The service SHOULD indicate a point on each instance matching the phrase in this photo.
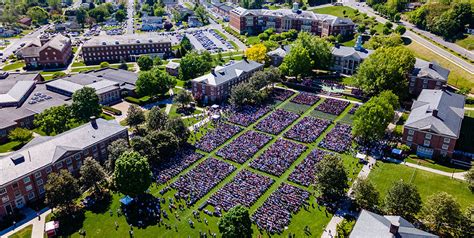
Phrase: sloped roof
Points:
(228, 72)
(373, 225)
(438, 111)
(345, 51)
(47, 151)
(280, 51)
(430, 70)
(57, 42)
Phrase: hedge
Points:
(469, 100)
(112, 110)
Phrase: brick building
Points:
(346, 59)
(98, 50)
(217, 85)
(427, 75)
(24, 172)
(254, 21)
(434, 123)
(45, 52)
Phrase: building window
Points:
(444, 153)
(411, 132)
(68, 161)
(49, 170)
(39, 182)
(29, 187)
(59, 165)
(37, 174)
(26, 180)
(31, 195)
(77, 156)
(409, 138)
(428, 136)
(41, 189)
(445, 147)
(3, 191)
(426, 143)
(446, 140)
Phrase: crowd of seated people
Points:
(277, 121)
(305, 98)
(278, 157)
(308, 129)
(332, 106)
(247, 114)
(353, 109)
(244, 189)
(173, 166)
(281, 94)
(217, 136)
(339, 139)
(193, 185)
(244, 147)
(275, 213)
(304, 173)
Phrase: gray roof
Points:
(345, 51)
(437, 111)
(430, 70)
(58, 42)
(125, 40)
(46, 151)
(225, 73)
(123, 77)
(17, 92)
(280, 51)
(373, 225)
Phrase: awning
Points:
(126, 200)
(51, 226)
(397, 151)
(361, 156)
(215, 117)
(215, 106)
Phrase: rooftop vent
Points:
(150, 40)
(18, 159)
(138, 41)
(116, 42)
(104, 43)
(3, 74)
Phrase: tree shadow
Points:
(70, 222)
(143, 211)
(406, 40)
(101, 203)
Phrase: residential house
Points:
(25, 172)
(25, 21)
(427, 75)
(254, 21)
(172, 68)
(370, 224)
(193, 21)
(55, 52)
(151, 23)
(216, 86)
(276, 56)
(434, 123)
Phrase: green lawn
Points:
(252, 40)
(384, 174)
(23, 233)
(450, 168)
(335, 11)
(14, 66)
(467, 43)
(101, 224)
(78, 64)
(348, 12)
(9, 146)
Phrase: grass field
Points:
(14, 66)
(9, 146)
(458, 76)
(467, 43)
(101, 224)
(450, 168)
(384, 174)
(348, 12)
(23, 233)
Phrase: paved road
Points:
(15, 43)
(436, 49)
(459, 175)
(130, 13)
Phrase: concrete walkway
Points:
(38, 225)
(331, 228)
(459, 175)
(321, 95)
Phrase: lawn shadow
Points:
(102, 203)
(143, 211)
(70, 223)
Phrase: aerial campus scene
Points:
(236, 118)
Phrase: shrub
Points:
(112, 110)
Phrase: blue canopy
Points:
(126, 200)
(396, 151)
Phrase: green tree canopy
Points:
(319, 49)
(38, 14)
(179, 129)
(91, 173)
(54, 120)
(142, 145)
(85, 104)
(194, 64)
(236, 223)
(145, 62)
(243, 94)
(442, 213)
(297, 62)
(132, 175)
(183, 98)
(165, 144)
(156, 119)
(61, 190)
(331, 177)
(154, 82)
(386, 69)
(365, 194)
(135, 116)
(469, 176)
(402, 199)
(20, 134)
(115, 150)
(120, 15)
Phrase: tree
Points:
(61, 190)
(159, 11)
(442, 213)
(85, 104)
(257, 52)
(400, 29)
(193, 65)
(365, 194)
(120, 15)
(183, 98)
(391, 40)
(123, 64)
(54, 4)
(157, 61)
(156, 119)
(54, 119)
(297, 62)
(104, 65)
(201, 14)
(92, 174)
(99, 13)
(115, 150)
(154, 82)
(372, 118)
(141, 145)
(319, 50)
(20, 134)
(331, 177)
(145, 62)
(132, 175)
(236, 223)
(261, 79)
(179, 129)
(38, 14)
(469, 176)
(386, 69)
(344, 228)
(242, 94)
(135, 116)
(402, 199)
(165, 144)
(81, 15)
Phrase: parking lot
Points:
(208, 40)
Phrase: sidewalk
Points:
(38, 225)
(459, 175)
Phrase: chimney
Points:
(93, 122)
(394, 227)
(213, 72)
(435, 112)
(245, 58)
